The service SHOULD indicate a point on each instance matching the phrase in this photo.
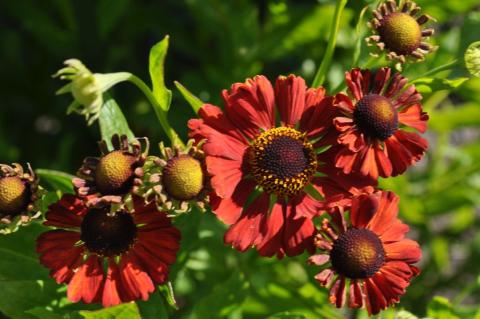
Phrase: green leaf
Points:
(123, 311)
(58, 180)
(112, 121)
(428, 85)
(18, 295)
(403, 314)
(167, 292)
(449, 118)
(225, 298)
(441, 308)
(472, 58)
(287, 315)
(154, 307)
(42, 313)
(194, 101)
(156, 68)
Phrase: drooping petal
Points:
(250, 105)
(406, 250)
(246, 231)
(413, 116)
(290, 93)
(86, 283)
(358, 82)
(363, 209)
(229, 209)
(225, 175)
(403, 149)
(67, 212)
(135, 278)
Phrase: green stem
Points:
(323, 69)
(161, 114)
(444, 67)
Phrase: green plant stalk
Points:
(327, 59)
(161, 114)
(444, 67)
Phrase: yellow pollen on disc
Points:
(114, 172)
(183, 177)
(401, 33)
(282, 161)
(13, 195)
(384, 110)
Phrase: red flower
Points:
(368, 249)
(266, 176)
(136, 249)
(372, 126)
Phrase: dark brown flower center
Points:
(183, 177)
(114, 173)
(375, 116)
(282, 161)
(357, 253)
(108, 234)
(14, 195)
(400, 32)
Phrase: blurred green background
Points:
(214, 43)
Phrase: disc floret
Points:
(115, 173)
(282, 161)
(177, 179)
(19, 191)
(398, 30)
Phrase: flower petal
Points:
(290, 92)
(86, 283)
(250, 105)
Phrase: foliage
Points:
(213, 44)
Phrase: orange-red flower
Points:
(372, 127)
(365, 257)
(262, 155)
(107, 257)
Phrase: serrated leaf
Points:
(156, 67)
(112, 121)
(472, 58)
(123, 311)
(194, 101)
(58, 180)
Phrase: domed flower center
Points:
(375, 116)
(183, 177)
(357, 253)
(14, 195)
(114, 173)
(108, 235)
(401, 33)
(282, 161)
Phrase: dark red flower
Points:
(366, 255)
(266, 175)
(372, 127)
(107, 257)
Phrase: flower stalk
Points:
(327, 59)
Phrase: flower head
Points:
(176, 180)
(266, 176)
(114, 173)
(107, 256)
(398, 30)
(366, 254)
(19, 190)
(372, 137)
